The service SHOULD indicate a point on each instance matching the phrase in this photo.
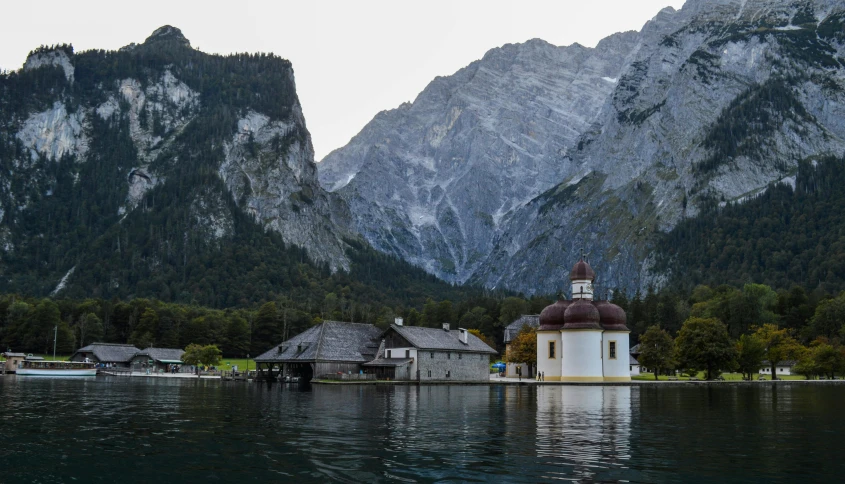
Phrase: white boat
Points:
(56, 368)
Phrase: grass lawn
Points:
(227, 364)
(727, 376)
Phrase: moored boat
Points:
(56, 368)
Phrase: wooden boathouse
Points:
(326, 350)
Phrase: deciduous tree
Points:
(779, 344)
(656, 350)
(750, 352)
(704, 343)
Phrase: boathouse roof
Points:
(164, 355)
(109, 352)
(327, 341)
(513, 329)
(441, 339)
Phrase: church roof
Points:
(582, 314)
(582, 271)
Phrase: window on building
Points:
(552, 352)
(388, 353)
(448, 373)
(448, 356)
(432, 354)
(429, 373)
(460, 356)
(407, 353)
(630, 368)
(611, 350)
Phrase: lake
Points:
(164, 430)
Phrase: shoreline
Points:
(594, 384)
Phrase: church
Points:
(582, 340)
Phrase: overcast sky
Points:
(352, 59)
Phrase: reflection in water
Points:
(584, 431)
(162, 430)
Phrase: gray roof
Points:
(513, 329)
(439, 339)
(328, 341)
(389, 362)
(635, 349)
(766, 363)
(632, 360)
(159, 354)
(109, 352)
(9, 354)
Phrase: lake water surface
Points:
(163, 430)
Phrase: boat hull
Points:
(57, 372)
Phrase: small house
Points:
(634, 365)
(157, 360)
(511, 332)
(12, 360)
(783, 368)
(112, 354)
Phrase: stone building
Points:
(582, 339)
(407, 353)
(511, 331)
(431, 354)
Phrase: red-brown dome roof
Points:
(612, 316)
(582, 271)
(552, 317)
(581, 314)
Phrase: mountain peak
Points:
(167, 33)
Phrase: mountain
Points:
(134, 172)
(516, 162)
(436, 181)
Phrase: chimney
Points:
(463, 336)
(398, 321)
(445, 326)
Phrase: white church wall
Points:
(581, 355)
(550, 367)
(617, 368)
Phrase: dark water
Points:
(159, 430)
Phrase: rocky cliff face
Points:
(436, 181)
(706, 104)
(93, 144)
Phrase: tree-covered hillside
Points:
(782, 237)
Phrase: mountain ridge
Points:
(714, 102)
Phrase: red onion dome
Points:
(612, 316)
(581, 314)
(551, 318)
(582, 271)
